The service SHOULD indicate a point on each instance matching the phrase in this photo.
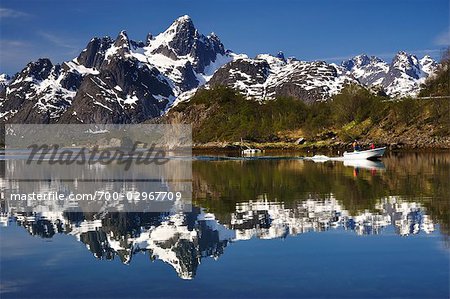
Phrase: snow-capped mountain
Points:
(368, 70)
(266, 77)
(40, 92)
(402, 77)
(115, 81)
(125, 81)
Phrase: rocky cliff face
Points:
(40, 93)
(114, 81)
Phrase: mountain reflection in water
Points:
(183, 239)
(236, 201)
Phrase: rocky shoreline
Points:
(426, 144)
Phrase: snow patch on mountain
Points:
(80, 69)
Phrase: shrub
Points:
(354, 103)
(407, 110)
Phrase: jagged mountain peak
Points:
(280, 55)
(216, 43)
(122, 40)
(405, 60)
(362, 59)
(402, 76)
(212, 35)
(403, 53)
(183, 42)
(92, 56)
(183, 19)
(38, 70)
(406, 63)
(359, 61)
(264, 57)
(274, 61)
(405, 75)
(121, 45)
(428, 65)
(427, 58)
(181, 28)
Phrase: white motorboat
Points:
(250, 151)
(371, 154)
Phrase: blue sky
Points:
(311, 29)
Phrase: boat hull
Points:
(372, 154)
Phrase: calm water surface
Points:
(258, 229)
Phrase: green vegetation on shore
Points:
(233, 117)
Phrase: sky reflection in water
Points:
(257, 229)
